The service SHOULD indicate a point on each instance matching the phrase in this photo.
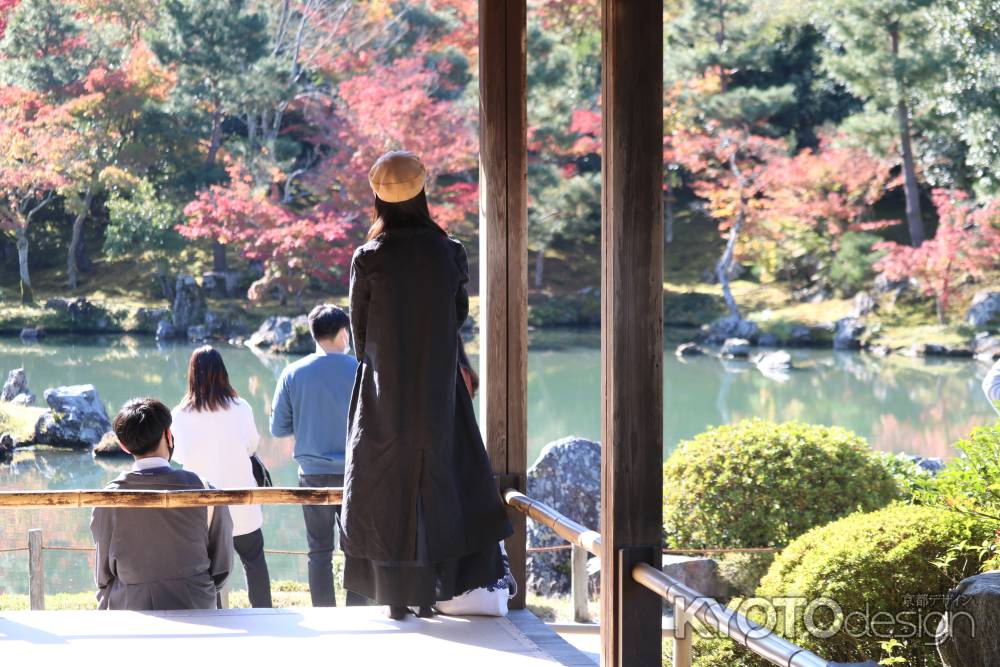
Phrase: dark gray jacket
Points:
(159, 559)
(418, 478)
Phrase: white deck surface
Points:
(284, 638)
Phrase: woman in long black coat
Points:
(422, 517)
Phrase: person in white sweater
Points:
(215, 435)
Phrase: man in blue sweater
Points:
(311, 402)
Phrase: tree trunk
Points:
(74, 244)
(539, 267)
(219, 262)
(215, 140)
(725, 265)
(27, 295)
(914, 220)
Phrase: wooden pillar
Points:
(36, 570)
(631, 327)
(503, 250)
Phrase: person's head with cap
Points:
(397, 180)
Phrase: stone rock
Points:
(7, 446)
(800, 336)
(147, 320)
(931, 464)
(969, 633)
(189, 304)
(17, 383)
(197, 333)
(880, 350)
(986, 347)
(863, 304)
(689, 350)
(567, 478)
(30, 333)
(165, 330)
(220, 285)
(284, 335)
(700, 574)
(847, 333)
(779, 361)
(984, 313)
(26, 400)
(75, 418)
(732, 327)
(768, 340)
(109, 446)
(82, 315)
(735, 348)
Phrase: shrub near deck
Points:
(760, 484)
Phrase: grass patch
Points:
(19, 420)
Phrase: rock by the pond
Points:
(936, 350)
(109, 446)
(768, 340)
(26, 400)
(863, 304)
(688, 350)
(986, 347)
(847, 333)
(82, 315)
(76, 417)
(189, 304)
(698, 573)
(147, 320)
(799, 336)
(777, 361)
(984, 313)
(735, 348)
(969, 633)
(284, 334)
(931, 464)
(219, 284)
(165, 330)
(16, 384)
(7, 446)
(197, 333)
(567, 478)
(31, 333)
(732, 327)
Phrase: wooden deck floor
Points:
(282, 637)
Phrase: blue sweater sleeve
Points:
(281, 410)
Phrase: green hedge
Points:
(758, 484)
(901, 559)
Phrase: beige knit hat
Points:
(397, 176)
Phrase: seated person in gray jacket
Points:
(150, 558)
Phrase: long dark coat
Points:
(418, 486)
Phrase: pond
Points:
(900, 404)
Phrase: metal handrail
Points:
(688, 604)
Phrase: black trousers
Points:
(320, 521)
(250, 548)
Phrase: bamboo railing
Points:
(273, 495)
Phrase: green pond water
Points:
(899, 404)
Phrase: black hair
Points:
(326, 321)
(410, 213)
(140, 424)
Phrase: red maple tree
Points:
(966, 245)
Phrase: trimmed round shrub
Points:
(762, 484)
(893, 566)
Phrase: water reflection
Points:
(899, 404)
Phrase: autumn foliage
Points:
(966, 244)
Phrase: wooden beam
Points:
(631, 327)
(503, 254)
(276, 495)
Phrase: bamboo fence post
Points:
(579, 584)
(36, 572)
